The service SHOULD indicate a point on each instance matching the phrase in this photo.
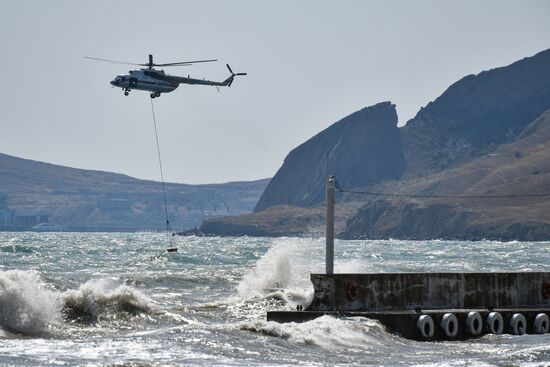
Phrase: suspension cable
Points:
(373, 193)
(168, 227)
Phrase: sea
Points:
(119, 299)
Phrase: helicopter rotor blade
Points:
(184, 63)
(241, 74)
(229, 67)
(111, 61)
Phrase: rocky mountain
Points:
(519, 168)
(477, 114)
(365, 147)
(479, 137)
(471, 118)
(277, 221)
(79, 199)
(272, 222)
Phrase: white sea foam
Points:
(281, 273)
(352, 266)
(99, 294)
(27, 306)
(327, 332)
(231, 329)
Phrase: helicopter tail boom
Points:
(226, 83)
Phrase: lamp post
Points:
(329, 233)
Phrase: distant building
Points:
(26, 220)
(3, 201)
(6, 215)
(19, 220)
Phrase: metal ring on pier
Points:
(474, 323)
(518, 324)
(352, 291)
(541, 324)
(495, 323)
(449, 324)
(425, 325)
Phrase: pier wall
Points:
(411, 291)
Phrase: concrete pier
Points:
(513, 303)
(428, 306)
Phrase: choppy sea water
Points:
(119, 299)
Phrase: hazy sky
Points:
(310, 63)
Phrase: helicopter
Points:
(157, 81)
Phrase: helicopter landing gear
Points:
(126, 91)
(155, 94)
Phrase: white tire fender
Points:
(474, 323)
(449, 324)
(495, 323)
(518, 324)
(541, 324)
(425, 325)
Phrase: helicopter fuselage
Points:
(144, 79)
(156, 81)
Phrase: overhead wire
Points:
(374, 193)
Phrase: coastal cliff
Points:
(487, 134)
(365, 147)
(519, 168)
(477, 114)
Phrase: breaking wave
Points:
(281, 274)
(100, 296)
(28, 306)
(327, 332)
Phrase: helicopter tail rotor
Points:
(233, 75)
